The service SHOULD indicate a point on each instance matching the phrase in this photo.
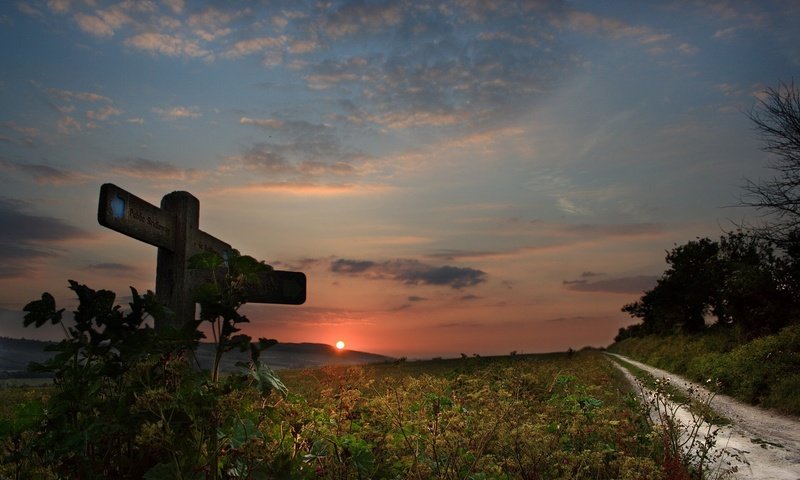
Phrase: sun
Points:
(340, 345)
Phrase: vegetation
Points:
(729, 310)
(550, 416)
(741, 282)
(129, 401)
(763, 371)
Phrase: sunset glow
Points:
(340, 345)
(452, 177)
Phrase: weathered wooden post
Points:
(172, 282)
(174, 229)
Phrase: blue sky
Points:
(455, 176)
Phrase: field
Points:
(565, 415)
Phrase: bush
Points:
(761, 372)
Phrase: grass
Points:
(676, 394)
(764, 371)
(569, 415)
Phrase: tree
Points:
(685, 293)
(777, 119)
(739, 280)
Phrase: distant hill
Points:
(16, 354)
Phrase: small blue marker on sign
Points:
(118, 207)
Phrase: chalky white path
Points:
(776, 455)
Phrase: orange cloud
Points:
(304, 188)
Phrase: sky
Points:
(457, 176)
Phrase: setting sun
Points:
(340, 345)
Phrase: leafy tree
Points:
(741, 280)
(777, 119)
(685, 293)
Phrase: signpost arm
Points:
(172, 280)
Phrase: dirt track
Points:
(770, 442)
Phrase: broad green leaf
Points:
(267, 380)
(42, 311)
(205, 261)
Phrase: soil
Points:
(768, 441)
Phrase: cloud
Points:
(301, 150)
(463, 324)
(103, 23)
(152, 169)
(262, 157)
(269, 316)
(27, 9)
(169, 45)
(212, 23)
(351, 266)
(67, 125)
(725, 33)
(636, 284)
(443, 73)
(308, 189)
(591, 274)
(70, 96)
(59, 6)
(69, 103)
(303, 46)
(254, 45)
(114, 268)
(262, 122)
(25, 237)
(410, 272)
(688, 49)
(175, 5)
(355, 17)
(45, 174)
(103, 113)
(25, 136)
(177, 113)
(453, 254)
(587, 22)
(612, 230)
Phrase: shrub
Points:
(762, 371)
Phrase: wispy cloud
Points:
(355, 17)
(45, 174)
(589, 230)
(588, 22)
(410, 272)
(626, 285)
(113, 268)
(94, 107)
(169, 45)
(21, 135)
(307, 189)
(58, 6)
(25, 237)
(177, 112)
(254, 45)
(306, 150)
(138, 167)
(102, 24)
(262, 122)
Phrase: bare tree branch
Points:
(777, 119)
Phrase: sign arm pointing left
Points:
(174, 229)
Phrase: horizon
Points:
(452, 177)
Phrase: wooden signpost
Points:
(174, 229)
